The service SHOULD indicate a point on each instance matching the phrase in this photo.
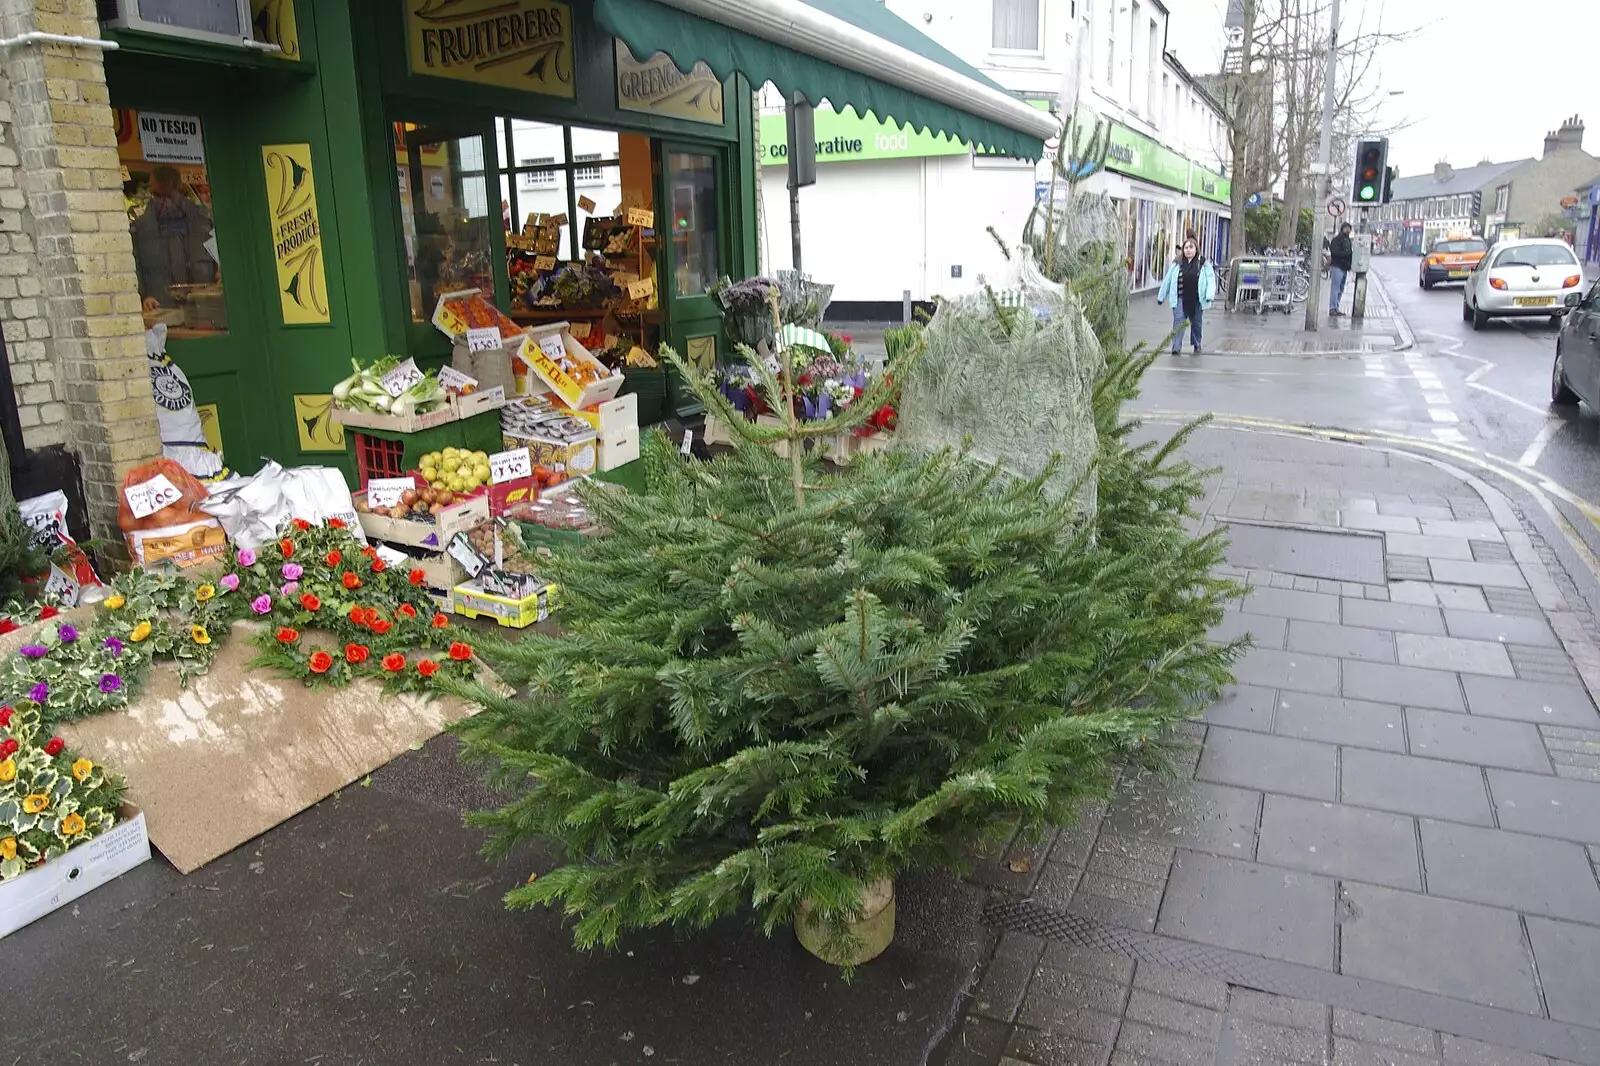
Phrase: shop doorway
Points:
(696, 254)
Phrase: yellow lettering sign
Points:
(296, 234)
(657, 87)
(313, 419)
(274, 23)
(514, 44)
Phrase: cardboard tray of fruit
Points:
(427, 520)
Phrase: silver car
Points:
(1524, 277)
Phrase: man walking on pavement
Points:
(1340, 253)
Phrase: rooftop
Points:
(1465, 180)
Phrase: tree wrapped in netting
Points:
(779, 681)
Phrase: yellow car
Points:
(1451, 259)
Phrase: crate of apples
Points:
(455, 470)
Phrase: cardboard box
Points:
(612, 416)
(474, 601)
(461, 515)
(618, 449)
(458, 408)
(568, 458)
(443, 573)
(456, 312)
(86, 867)
(875, 442)
(509, 494)
(573, 393)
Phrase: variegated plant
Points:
(51, 798)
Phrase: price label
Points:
(579, 330)
(544, 262)
(613, 341)
(392, 556)
(510, 465)
(402, 377)
(386, 491)
(462, 551)
(535, 219)
(486, 339)
(623, 278)
(148, 497)
(553, 347)
(493, 396)
(688, 441)
(642, 289)
(638, 216)
(585, 204)
(557, 220)
(451, 378)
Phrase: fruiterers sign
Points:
(514, 44)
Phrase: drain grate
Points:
(1428, 1010)
(1306, 553)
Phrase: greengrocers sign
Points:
(844, 136)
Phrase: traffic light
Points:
(1389, 174)
(1372, 158)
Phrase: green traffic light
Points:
(1368, 192)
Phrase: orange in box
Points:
(582, 381)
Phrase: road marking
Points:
(1443, 414)
(1450, 436)
(1542, 412)
(1536, 448)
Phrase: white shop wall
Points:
(876, 229)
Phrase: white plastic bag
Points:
(46, 515)
(183, 437)
(253, 510)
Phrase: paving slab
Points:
(1504, 628)
(1343, 642)
(1265, 910)
(1468, 738)
(1487, 575)
(1407, 685)
(1264, 630)
(1455, 528)
(1297, 670)
(1379, 523)
(1309, 553)
(1381, 1031)
(1434, 547)
(1464, 950)
(1540, 702)
(1569, 968)
(1403, 617)
(1243, 707)
(1269, 763)
(1292, 603)
(1410, 785)
(1432, 594)
(1549, 806)
(1534, 875)
(1340, 721)
(1453, 653)
(1192, 814)
(1340, 841)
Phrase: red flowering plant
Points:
(51, 798)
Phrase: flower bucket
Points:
(873, 931)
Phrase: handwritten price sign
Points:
(486, 339)
(585, 204)
(148, 497)
(638, 216)
(451, 378)
(544, 263)
(386, 491)
(642, 289)
(510, 465)
(554, 348)
(402, 377)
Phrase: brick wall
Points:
(69, 298)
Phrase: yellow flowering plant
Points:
(53, 799)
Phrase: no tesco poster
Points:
(165, 138)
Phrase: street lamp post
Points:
(1325, 167)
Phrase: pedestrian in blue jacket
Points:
(1191, 285)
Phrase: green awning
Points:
(648, 27)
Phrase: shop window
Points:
(168, 197)
(1016, 25)
(692, 184)
(445, 217)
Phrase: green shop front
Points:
(300, 199)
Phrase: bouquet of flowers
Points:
(801, 301)
(51, 799)
(746, 308)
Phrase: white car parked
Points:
(1527, 277)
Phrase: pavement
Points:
(1382, 847)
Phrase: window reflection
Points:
(692, 184)
(445, 215)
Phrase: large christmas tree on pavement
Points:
(779, 681)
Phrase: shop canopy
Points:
(854, 53)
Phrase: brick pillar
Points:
(80, 252)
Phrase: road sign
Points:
(1253, 200)
(1336, 206)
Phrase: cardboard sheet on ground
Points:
(240, 750)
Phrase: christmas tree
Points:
(779, 681)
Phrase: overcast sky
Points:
(1543, 48)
